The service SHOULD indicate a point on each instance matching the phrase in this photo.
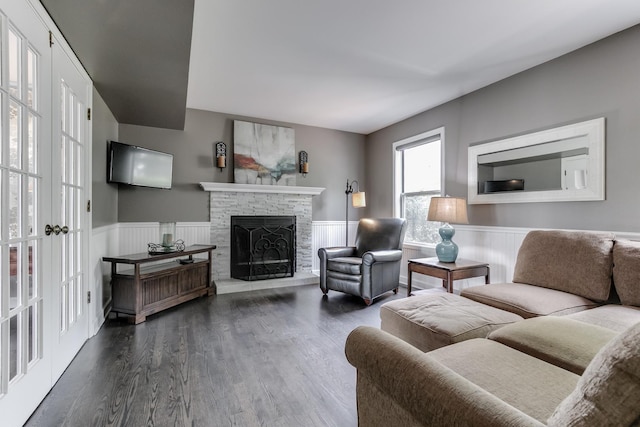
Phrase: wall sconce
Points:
(358, 201)
(303, 160)
(221, 155)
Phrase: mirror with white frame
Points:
(554, 165)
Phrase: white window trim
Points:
(397, 167)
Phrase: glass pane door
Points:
(44, 94)
(71, 130)
(25, 178)
(19, 241)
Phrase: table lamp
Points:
(447, 210)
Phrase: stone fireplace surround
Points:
(227, 199)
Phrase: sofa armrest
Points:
(395, 376)
(391, 255)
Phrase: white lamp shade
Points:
(359, 200)
(448, 209)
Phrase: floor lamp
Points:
(358, 201)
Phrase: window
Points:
(418, 177)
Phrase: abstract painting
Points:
(263, 154)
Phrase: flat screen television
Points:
(132, 165)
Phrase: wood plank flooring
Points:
(263, 358)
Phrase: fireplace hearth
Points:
(263, 247)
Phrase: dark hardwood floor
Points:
(262, 358)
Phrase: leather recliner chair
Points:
(372, 266)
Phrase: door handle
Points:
(55, 229)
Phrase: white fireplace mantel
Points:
(253, 188)
(229, 199)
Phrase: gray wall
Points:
(105, 196)
(599, 80)
(334, 156)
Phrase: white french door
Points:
(43, 182)
(25, 170)
(71, 96)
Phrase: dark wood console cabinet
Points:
(145, 290)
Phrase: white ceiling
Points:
(361, 65)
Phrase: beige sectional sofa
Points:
(559, 346)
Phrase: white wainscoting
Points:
(498, 246)
(104, 242)
(495, 245)
(326, 234)
(420, 281)
(134, 236)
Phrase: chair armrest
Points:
(325, 254)
(397, 373)
(381, 256)
(336, 252)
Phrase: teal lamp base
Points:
(447, 250)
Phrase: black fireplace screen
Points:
(263, 247)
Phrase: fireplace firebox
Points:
(263, 247)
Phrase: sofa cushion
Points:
(567, 343)
(531, 385)
(434, 320)
(575, 262)
(346, 265)
(612, 316)
(527, 300)
(626, 271)
(607, 393)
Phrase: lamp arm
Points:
(349, 189)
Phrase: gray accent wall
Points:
(334, 156)
(104, 196)
(599, 80)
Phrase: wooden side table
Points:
(142, 291)
(447, 271)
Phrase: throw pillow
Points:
(626, 271)
(607, 393)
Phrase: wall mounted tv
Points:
(128, 164)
